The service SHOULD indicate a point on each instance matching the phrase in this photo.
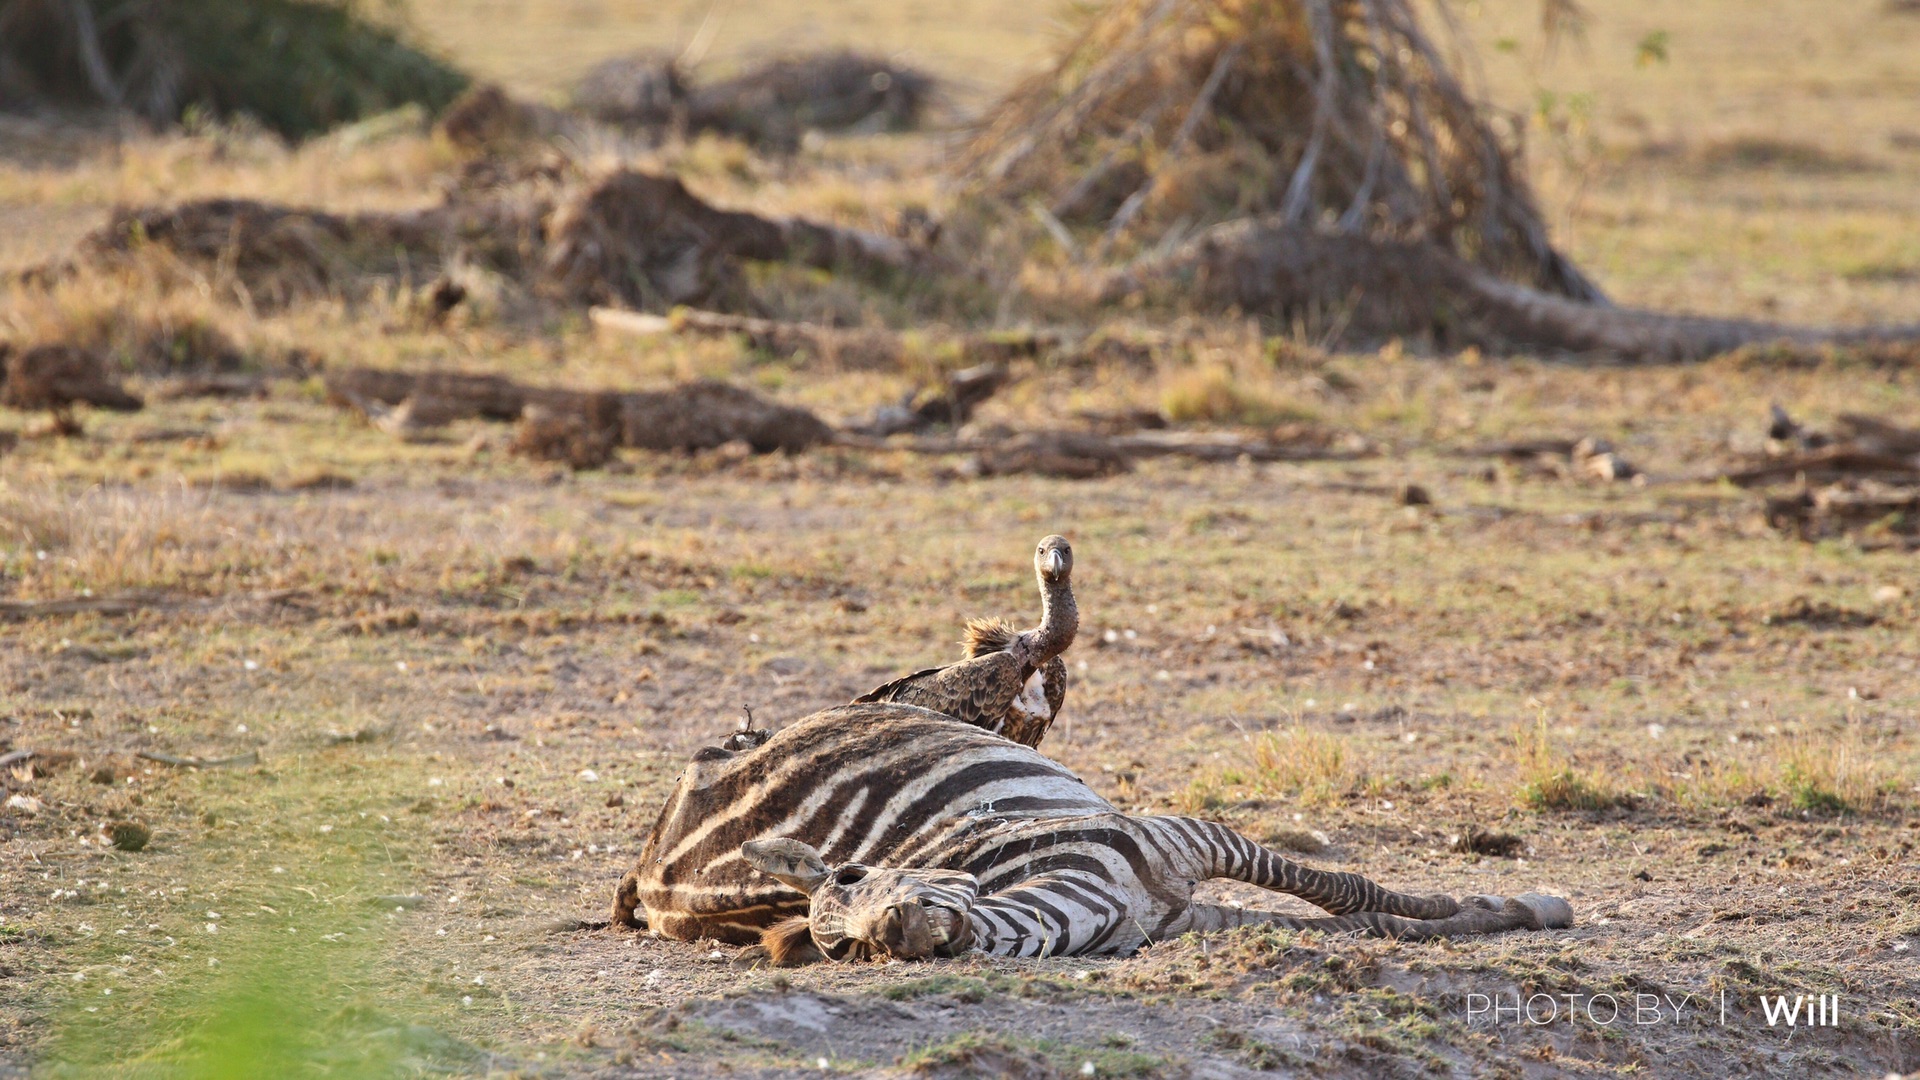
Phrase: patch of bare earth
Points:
(467, 695)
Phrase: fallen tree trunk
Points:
(858, 348)
(699, 415)
(1875, 513)
(1351, 288)
(1081, 455)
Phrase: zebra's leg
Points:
(1480, 915)
(1227, 854)
(627, 910)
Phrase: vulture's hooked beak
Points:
(1056, 564)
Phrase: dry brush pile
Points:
(1163, 117)
(1317, 163)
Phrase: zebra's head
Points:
(859, 912)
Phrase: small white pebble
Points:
(716, 955)
(1110, 637)
(822, 1063)
(467, 1000)
(326, 828)
(1163, 675)
(279, 869)
(399, 665)
(1087, 1069)
(1902, 946)
(442, 932)
(1129, 634)
(434, 781)
(251, 665)
(211, 962)
(589, 775)
(755, 638)
(1654, 731)
(480, 980)
(489, 937)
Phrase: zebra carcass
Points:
(889, 830)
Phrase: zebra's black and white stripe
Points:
(1059, 870)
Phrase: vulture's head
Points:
(1054, 559)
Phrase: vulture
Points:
(58, 377)
(1011, 681)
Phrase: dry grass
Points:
(55, 541)
(459, 617)
(1549, 781)
(1214, 395)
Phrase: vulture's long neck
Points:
(1059, 621)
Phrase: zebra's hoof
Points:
(1549, 912)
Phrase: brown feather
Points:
(988, 636)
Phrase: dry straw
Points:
(1166, 116)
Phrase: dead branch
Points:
(84, 605)
(853, 349)
(859, 348)
(248, 758)
(1828, 464)
(1377, 289)
(130, 603)
(698, 415)
(951, 404)
(1096, 447)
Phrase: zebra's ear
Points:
(789, 862)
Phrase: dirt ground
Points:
(415, 703)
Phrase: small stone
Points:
(1415, 495)
(616, 800)
(26, 804)
(129, 835)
